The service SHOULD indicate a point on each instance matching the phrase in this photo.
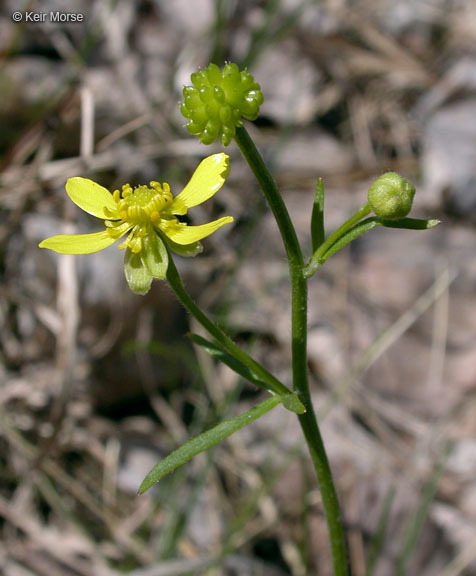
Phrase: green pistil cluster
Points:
(218, 100)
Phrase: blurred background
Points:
(96, 384)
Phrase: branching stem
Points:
(307, 420)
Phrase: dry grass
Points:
(96, 384)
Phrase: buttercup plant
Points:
(214, 106)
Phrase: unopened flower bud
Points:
(390, 196)
(218, 100)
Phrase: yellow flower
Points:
(148, 215)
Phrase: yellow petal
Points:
(78, 243)
(183, 234)
(207, 179)
(91, 197)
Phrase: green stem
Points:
(317, 257)
(175, 282)
(299, 350)
(273, 197)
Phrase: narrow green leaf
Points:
(363, 227)
(410, 223)
(351, 234)
(218, 353)
(317, 217)
(319, 256)
(205, 441)
(290, 401)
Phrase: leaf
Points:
(205, 441)
(351, 234)
(410, 223)
(317, 217)
(290, 401)
(218, 353)
(331, 247)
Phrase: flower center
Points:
(142, 204)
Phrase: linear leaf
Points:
(205, 441)
(290, 401)
(410, 223)
(218, 353)
(317, 217)
(351, 234)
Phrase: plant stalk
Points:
(175, 283)
(319, 254)
(307, 420)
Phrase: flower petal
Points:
(183, 234)
(207, 179)
(78, 243)
(91, 197)
(136, 274)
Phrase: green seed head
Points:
(217, 101)
(391, 196)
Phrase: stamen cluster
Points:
(141, 207)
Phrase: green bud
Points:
(391, 196)
(218, 100)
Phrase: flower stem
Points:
(318, 256)
(307, 420)
(175, 282)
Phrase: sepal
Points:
(137, 276)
